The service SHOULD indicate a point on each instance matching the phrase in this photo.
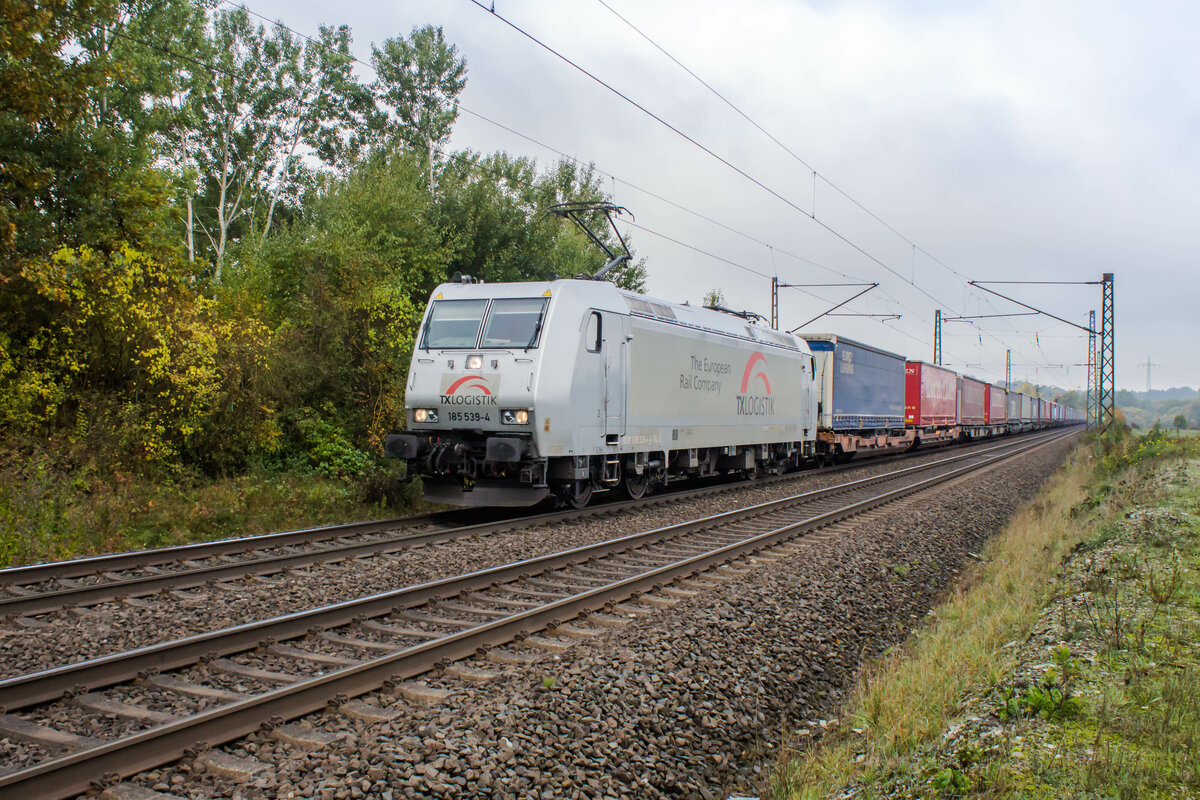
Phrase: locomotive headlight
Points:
(425, 415)
(474, 362)
(514, 416)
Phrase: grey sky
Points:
(1011, 140)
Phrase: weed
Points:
(1111, 620)
(1053, 698)
(1162, 584)
(549, 682)
(951, 781)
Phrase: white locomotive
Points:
(522, 390)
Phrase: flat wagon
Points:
(860, 397)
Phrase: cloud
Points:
(1013, 140)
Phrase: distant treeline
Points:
(1143, 409)
(216, 237)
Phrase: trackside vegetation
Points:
(216, 240)
(1066, 664)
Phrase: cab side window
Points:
(594, 333)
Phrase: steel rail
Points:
(140, 586)
(71, 774)
(133, 559)
(46, 685)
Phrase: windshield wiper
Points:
(536, 330)
(425, 333)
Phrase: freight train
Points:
(518, 392)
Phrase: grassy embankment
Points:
(49, 512)
(1067, 664)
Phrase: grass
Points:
(49, 513)
(1065, 665)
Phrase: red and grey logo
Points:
(469, 390)
(756, 368)
(755, 377)
(469, 382)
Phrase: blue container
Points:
(860, 387)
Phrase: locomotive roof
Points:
(606, 296)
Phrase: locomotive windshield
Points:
(511, 322)
(514, 323)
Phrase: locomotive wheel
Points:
(635, 485)
(580, 495)
(754, 473)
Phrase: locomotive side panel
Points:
(692, 389)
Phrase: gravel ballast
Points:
(70, 636)
(683, 701)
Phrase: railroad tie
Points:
(510, 601)
(131, 791)
(502, 655)
(658, 600)
(398, 630)
(179, 686)
(91, 613)
(21, 729)
(304, 737)
(254, 673)
(99, 704)
(627, 610)
(287, 651)
(524, 589)
(545, 643)
(700, 584)
(463, 608)
(577, 632)
(231, 767)
(607, 620)
(463, 672)
(360, 644)
(420, 693)
(357, 709)
(432, 619)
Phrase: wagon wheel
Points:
(753, 473)
(635, 485)
(580, 493)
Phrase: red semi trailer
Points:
(997, 407)
(972, 407)
(930, 401)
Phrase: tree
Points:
(324, 113)
(1179, 423)
(238, 123)
(492, 209)
(419, 80)
(162, 53)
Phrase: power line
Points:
(819, 222)
(660, 120)
(816, 174)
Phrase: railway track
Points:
(227, 683)
(44, 588)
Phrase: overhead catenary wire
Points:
(464, 157)
(815, 173)
(812, 216)
(679, 206)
